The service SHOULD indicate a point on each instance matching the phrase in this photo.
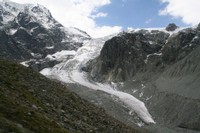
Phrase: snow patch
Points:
(161, 29)
(134, 91)
(33, 54)
(143, 86)
(24, 64)
(76, 31)
(140, 124)
(148, 98)
(49, 47)
(61, 55)
(45, 71)
(12, 31)
(141, 94)
(150, 42)
(146, 60)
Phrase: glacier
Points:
(70, 72)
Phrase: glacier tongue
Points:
(70, 72)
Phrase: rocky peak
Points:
(123, 56)
(142, 51)
(41, 10)
(10, 10)
(32, 33)
(171, 27)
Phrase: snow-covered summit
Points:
(31, 31)
(35, 13)
(171, 29)
(10, 10)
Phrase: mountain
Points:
(29, 102)
(145, 78)
(28, 32)
(129, 54)
(159, 67)
(115, 70)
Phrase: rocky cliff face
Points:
(129, 54)
(30, 32)
(160, 67)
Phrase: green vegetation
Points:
(29, 102)
(18, 107)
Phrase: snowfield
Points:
(70, 72)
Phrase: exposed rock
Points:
(178, 46)
(124, 56)
(159, 67)
(165, 76)
(30, 32)
(171, 27)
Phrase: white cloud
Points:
(100, 14)
(78, 13)
(148, 21)
(187, 10)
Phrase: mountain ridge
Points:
(155, 70)
(165, 79)
(29, 33)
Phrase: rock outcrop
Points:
(171, 27)
(158, 67)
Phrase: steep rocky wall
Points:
(165, 76)
(124, 56)
(129, 54)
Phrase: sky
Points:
(103, 17)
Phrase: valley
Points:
(139, 80)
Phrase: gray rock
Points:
(171, 27)
(26, 37)
(167, 75)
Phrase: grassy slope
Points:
(29, 102)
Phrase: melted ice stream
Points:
(70, 72)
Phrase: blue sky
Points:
(103, 17)
(136, 14)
